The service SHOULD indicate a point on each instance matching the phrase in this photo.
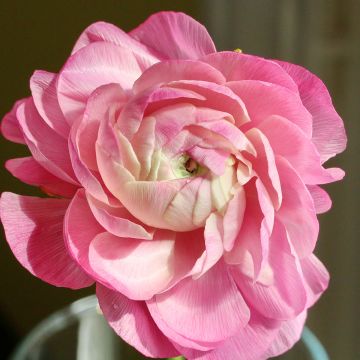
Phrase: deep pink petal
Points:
(34, 231)
(297, 211)
(132, 322)
(174, 70)
(211, 302)
(29, 171)
(174, 36)
(10, 127)
(235, 67)
(264, 99)
(43, 90)
(283, 295)
(102, 31)
(288, 334)
(97, 64)
(321, 199)
(328, 129)
(48, 148)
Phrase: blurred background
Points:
(322, 35)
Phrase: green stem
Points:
(177, 358)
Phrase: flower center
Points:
(191, 166)
(184, 166)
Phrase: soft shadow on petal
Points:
(34, 231)
(174, 36)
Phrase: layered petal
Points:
(10, 127)
(174, 36)
(38, 243)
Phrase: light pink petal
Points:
(321, 199)
(118, 221)
(34, 231)
(10, 127)
(316, 278)
(43, 89)
(80, 228)
(29, 171)
(297, 211)
(287, 140)
(102, 31)
(174, 70)
(288, 334)
(148, 102)
(284, 295)
(251, 247)
(211, 302)
(132, 321)
(174, 36)
(249, 343)
(233, 218)
(264, 165)
(214, 248)
(97, 64)
(238, 66)
(328, 129)
(48, 148)
(264, 99)
(218, 97)
(140, 269)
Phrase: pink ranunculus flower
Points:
(186, 186)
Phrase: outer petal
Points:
(102, 31)
(284, 296)
(33, 229)
(97, 64)
(297, 211)
(321, 199)
(211, 302)
(328, 129)
(10, 127)
(47, 147)
(235, 66)
(31, 172)
(140, 268)
(132, 322)
(264, 99)
(174, 36)
(43, 90)
(288, 334)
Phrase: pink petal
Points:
(284, 297)
(249, 343)
(29, 171)
(175, 70)
(235, 66)
(48, 148)
(174, 36)
(118, 221)
(264, 165)
(211, 302)
(43, 89)
(218, 97)
(316, 278)
(10, 127)
(102, 31)
(321, 199)
(264, 99)
(133, 323)
(97, 64)
(34, 231)
(328, 129)
(288, 334)
(140, 269)
(297, 212)
(287, 140)
(80, 228)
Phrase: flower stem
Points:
(177, 358)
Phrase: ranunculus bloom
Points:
(185, 184)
